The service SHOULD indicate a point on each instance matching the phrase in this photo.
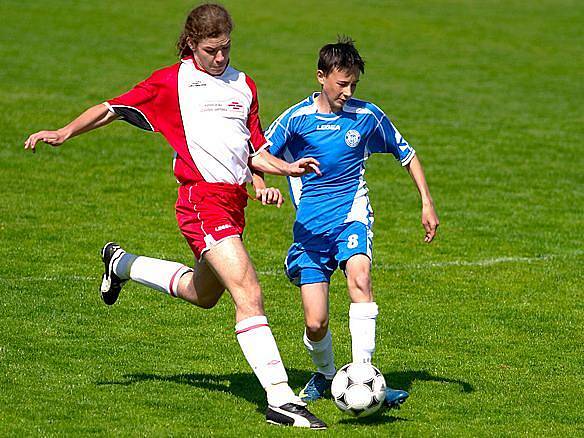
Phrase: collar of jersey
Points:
(198, 67)
(323, 116)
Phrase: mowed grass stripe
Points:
(377, 267)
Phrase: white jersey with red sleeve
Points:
(211, 122)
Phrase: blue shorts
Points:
(317, 264)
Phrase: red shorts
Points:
(207, 213)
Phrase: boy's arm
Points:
(430, 220)
(267, 195)
(266, 162)
(92, 118)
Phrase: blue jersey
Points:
(341, 142)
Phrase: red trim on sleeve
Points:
(142, 99)
(157, 98)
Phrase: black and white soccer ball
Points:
(358, 389)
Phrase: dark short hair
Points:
(340, 56)
(208, 20)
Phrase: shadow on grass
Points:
(405, 379)
(246, 386)
(383, 416)
(243, 385)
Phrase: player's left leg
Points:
(121, 266)
(362, 319)
(198, 285)
(354, 255)
(363, 310)
(354, 252)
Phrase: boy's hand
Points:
(304, 166)
(270, 196)
(430, 222)
(54, 138)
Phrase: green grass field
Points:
(484, 327)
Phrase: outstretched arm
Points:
(430, 220)
(266, 162)
(94, 117)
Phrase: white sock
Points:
(161, 275)
(321, 353)
(362, 326)
(122, 262)
(259, 348)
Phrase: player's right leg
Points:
(232, 265)
(311, 272)
(317, 340)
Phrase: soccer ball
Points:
(358, 389)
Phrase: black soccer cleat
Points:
(293, 414)
(111, 284)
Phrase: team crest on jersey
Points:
(352, 138)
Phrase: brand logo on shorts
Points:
(223, 227)
(352, 138)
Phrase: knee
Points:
(360, 287)
(208, 302)
(204, 297)
(316, 328)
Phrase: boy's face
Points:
(212, 54)
(338, 86)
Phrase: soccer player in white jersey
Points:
(334, 219)
(208, 112)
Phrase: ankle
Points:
(280, 393)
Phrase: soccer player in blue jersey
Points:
(334, 218)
